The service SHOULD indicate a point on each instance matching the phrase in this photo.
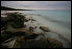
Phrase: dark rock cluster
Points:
(16, 20)
(3, 23)
(13, 19)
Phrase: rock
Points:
(35, 44)
(31, 29)
(54, 43)
(16, 20)
(26, 20)
(27, 40)
(33, 36)
(18, 41)
(4, 46)
(41, 43)
(3, 23)
(9, 34)
(30, 44)
(5, 35)
(44, 28)
(33, 20)
(4, 28)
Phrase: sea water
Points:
(62, 18)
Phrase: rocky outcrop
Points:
(5, 35)
(3, 23)
(16, 20)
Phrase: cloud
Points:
(46, 5)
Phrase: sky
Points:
(38, 5)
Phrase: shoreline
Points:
(40, 25)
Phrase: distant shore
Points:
(13, 9)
